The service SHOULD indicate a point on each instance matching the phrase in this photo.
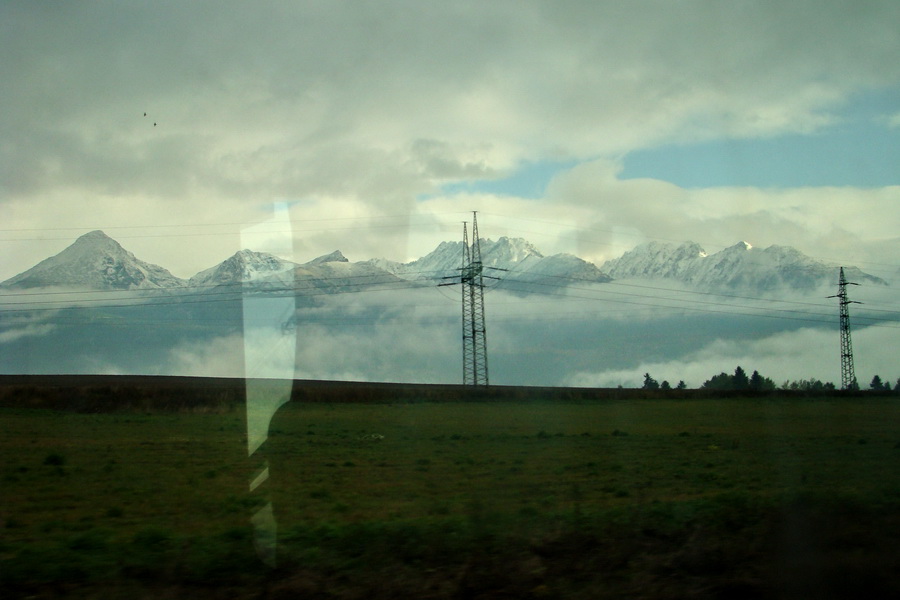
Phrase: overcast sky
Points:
(585, 127)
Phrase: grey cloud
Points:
(589, 336)
(782, 356)
(301, 80)
(13, 334)
(832, 224)
(439, 160)
(367, 107)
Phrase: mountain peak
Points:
(513, 249)
(96, 239)
(335, 256)
(741, 246)
(95, 261)
(692, 249)
(242, 267)
(95, 234)
(735, 267)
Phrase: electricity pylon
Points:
(474, 332)
(848, 374)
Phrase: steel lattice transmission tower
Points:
(474, 332)
(848, 374)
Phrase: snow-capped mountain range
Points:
(96, 261)
(507, 258)
(739, 267)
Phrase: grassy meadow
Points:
(700, 498)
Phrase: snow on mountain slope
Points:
(261, 271)
(444, 260)
(95, 261)
(739, 267)
(507, 250)
(333, 273)
(245, 266)
(335, 257)
(511, 259)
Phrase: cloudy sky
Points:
(585, 127)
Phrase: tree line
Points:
(739, 380)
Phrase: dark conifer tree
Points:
(650, 383)
(756, 381)
(739, 380)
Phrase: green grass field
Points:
(706, 498)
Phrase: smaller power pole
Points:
(848, 374)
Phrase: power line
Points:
(644, 237)
(320, 287)
(404, 223)
(602, 289)
(544, 314)
(426, 276)
(689, 308)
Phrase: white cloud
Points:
(356, 112)
(16, 333)
(594, 214)
(264, 101)
(392, 336)
(218, 357)
(830, 223)
(581, 339)
(602, 335)
(785, 356)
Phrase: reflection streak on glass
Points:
(269, 353)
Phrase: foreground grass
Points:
(705, 498)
